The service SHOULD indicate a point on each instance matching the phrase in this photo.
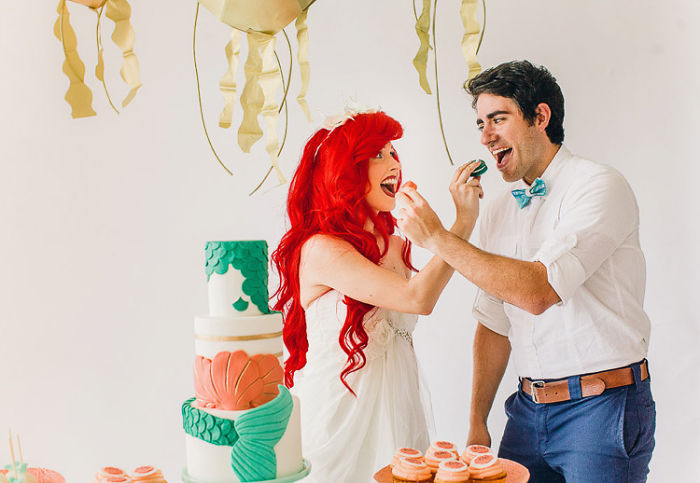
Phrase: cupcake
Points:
(452, 471)
(147, 474)
(434, 458)
(112, 474)
(406, 453)
(411, 470)
(487, 468)
(443, 446)
(44, 475)
(472, 451)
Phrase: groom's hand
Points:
(479, 434)
(416, 219)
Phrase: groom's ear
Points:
(543, 114)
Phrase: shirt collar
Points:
(551, 170)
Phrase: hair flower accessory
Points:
(351, 110)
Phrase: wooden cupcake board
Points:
(517, 473)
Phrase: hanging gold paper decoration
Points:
(261, 21)
(471, 43)
(79, 95)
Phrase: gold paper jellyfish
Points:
(79, 95)
(261, 21)
(471, 42)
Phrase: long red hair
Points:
(327, 195)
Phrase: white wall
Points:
(103, 220)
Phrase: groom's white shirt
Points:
(586, 233)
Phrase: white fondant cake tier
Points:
(238, 321)
(261, 334)
(212, 463)
(226, 289)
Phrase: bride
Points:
(349, 301)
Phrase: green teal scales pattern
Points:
(252, 436)
(250, 258)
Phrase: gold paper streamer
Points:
(470, 40)
(78, 95)
(100, 67)
(119, 12)
(227, 85)
(252, 98)
(437, 85)
(303, 59)
(420, 61)
(199, 90)
(237, 338)
(269, 79)
(285, 86)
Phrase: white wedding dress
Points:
(347, 438)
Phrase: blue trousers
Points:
(604, 438)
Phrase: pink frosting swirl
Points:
(147, 474)
(472, 451)
(443, 446)
(412, 469)
(485, 466)
(405, 453)
(111, 474)
(434, 458)
(452, 471)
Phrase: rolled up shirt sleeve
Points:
(594, 221)
(488, 309)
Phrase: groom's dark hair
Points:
(528, 86)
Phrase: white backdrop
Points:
(103, 220)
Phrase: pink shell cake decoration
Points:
(234, 381)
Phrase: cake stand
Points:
(305, 470)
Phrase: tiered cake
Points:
(243, 424)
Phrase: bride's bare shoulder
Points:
(322, 248)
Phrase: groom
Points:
(561, 280)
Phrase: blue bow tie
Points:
(523, 197)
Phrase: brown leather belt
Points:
(591, 385)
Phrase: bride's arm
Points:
(328, 262)
(332, 263)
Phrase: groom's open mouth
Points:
(389, 185)
(502, 156)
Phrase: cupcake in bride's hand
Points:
(400, 203)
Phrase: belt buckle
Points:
(536, 385)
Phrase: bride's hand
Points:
(466, 193)
(416, 219)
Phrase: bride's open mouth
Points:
(389, 185)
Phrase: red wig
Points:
(327, 195)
